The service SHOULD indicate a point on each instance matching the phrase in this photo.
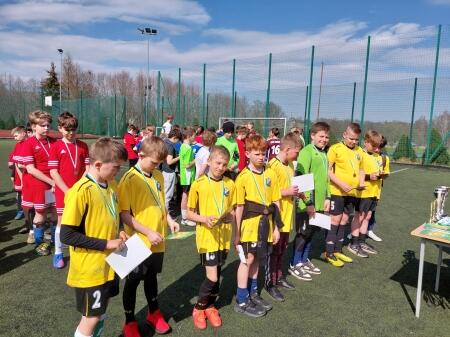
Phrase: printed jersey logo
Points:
(63, 151)
(226, 192)
(268, 182)
(37, 147)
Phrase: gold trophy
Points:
(437, 205)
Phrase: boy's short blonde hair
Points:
(255, 142)
(219, 150)
(35, 117)
(320, 126)
(107, 150)
(209, 138)
(290, 140)
(18, 129)
(154, 146)
(373, 137)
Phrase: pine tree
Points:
(404, 149)
(10, 123)
(2, 125)
(50, 86)
(441, 157)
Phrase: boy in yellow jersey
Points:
(210, 205)
(385, 171)
(143, 211)
(345, 169)
(372, 166)
(257, 223)
(283, 167)
(90, 225)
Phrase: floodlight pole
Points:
(147, 31)
(60, 79)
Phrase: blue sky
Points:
(102, 36)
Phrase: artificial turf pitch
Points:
(371, 297)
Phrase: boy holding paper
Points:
(283, 167)
(345, 169)
(90, 225)
(312, 159)
(210, 205)
(257, 222)
(143, 211)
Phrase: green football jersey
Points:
(187, 175)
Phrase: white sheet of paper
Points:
(49, 197)
(130, 257)
(321, 220)
(304, 182)
(241, 254)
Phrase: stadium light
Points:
(147, 31)
(60, 51)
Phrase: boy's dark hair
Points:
(383, 142)
(175, 133)
(107, 150)
(209, 138)
(275, 132)
(188, 132)
(320, 126)
(67, 121)
(355, 128)
(132, 127)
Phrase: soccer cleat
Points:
(300, 273)
(189, 223)
(199, 318)
(356, 249)
(30, 238)
(374, 237)
(249, 308)
(131, 330)
(334, 261)
(344, 258)
(24, 230)
(157, 321)
(43, 249)
(368, 248)
(58, 261)
(213, 316)
(275, 293)
(19, 215)
(285, 284)
(260, 302)
(310, 268)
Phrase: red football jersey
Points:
(273, 148)
(37, 152)
(70, 159)
(129, 141)
(242, 157)
(15, 158)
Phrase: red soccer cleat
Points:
(131, 330)
(157, 321)
(213, 316)
(199, 318)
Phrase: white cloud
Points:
(439, 2)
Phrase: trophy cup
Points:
(437, 205)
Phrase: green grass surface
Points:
(371, 297)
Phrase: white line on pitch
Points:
(403, 169)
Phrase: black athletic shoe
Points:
(285, 284)
(260, 302)
(275, 293)
(249, 308)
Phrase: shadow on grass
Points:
(407, 276)
(14, 261)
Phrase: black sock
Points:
(362, 238)
(204, 293)
(355, 239)
(339, 238)
(129, 299)
(215, 289)
(151, 291)
(331, 239)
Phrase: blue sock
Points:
(252, 285)
(241, 295)
(296, 257)
(38, 235)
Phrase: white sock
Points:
(58, 249)
(79, 334)
(183, 214)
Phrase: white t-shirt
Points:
(201, 158)
(167, 126)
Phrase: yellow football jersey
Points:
(94, 209)
(143, 196)
(261, 188)
(212, 198)
(347, 163)
(284, 173)
(371, 164)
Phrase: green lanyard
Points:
(219, 209)
(263, 198)
(154, 195)
(324, 158)
(111, 206)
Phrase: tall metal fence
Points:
(395, 83)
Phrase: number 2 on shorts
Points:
(96, 295)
